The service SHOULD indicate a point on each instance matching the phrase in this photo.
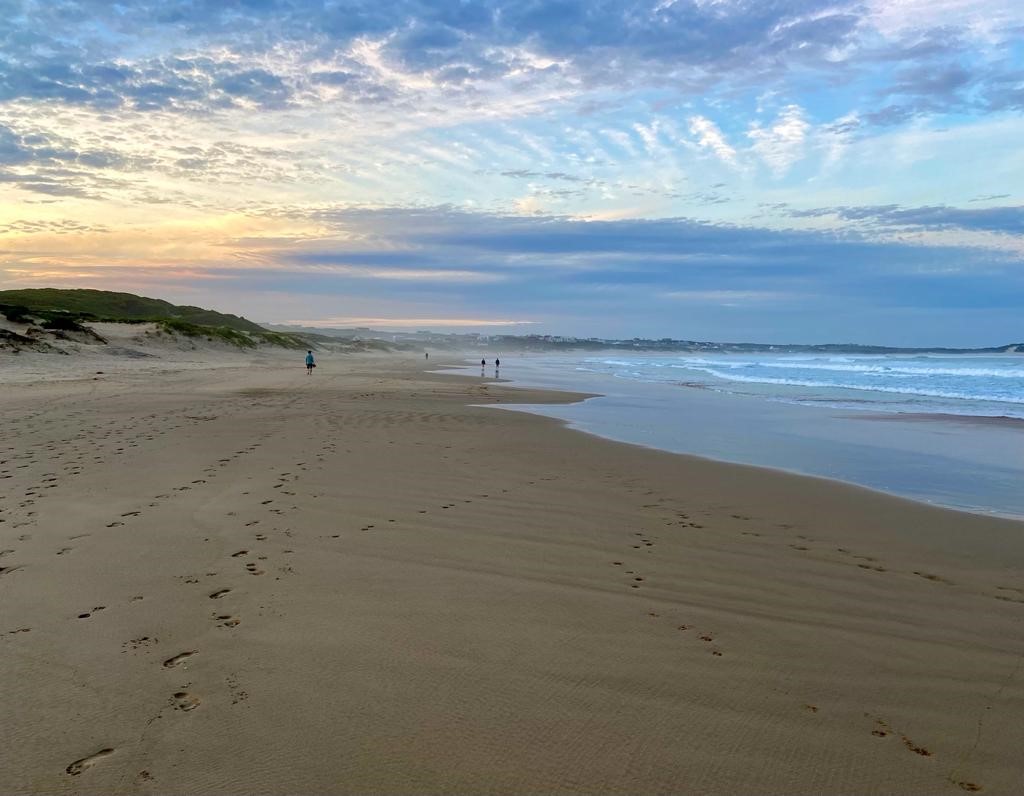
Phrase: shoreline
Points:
(365, 581)
(958, 464)
(977, 512)
(999, 421)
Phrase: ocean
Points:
(941, 429)
(972, 386)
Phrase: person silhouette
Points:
(310, 363)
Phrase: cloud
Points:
(984, 21)
(524, 174)
(389, 274)
(256, 86)
(1006, 220)
(547, 258)
(710, 137)
(53, 55)
(64, 226)
(731, 298)
(43, 149)
(781, 144)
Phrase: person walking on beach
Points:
(310, 363)
(497, 363)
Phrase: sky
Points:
(732, 170)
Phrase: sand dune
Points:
(240, 579)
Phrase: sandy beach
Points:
(240, 579)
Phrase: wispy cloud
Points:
(1009, 220)
(781, 144)
(710, 137)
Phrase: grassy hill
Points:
(103, 305)
(60, 312)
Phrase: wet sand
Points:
(246, 580)
(943, 460)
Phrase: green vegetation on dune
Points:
(61, 311)
(232, 336)
(221, 333)
(282, 339)
(104, 305)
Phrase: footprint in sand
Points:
(883, 729)
(239, 553)
(219, 593)
(183, 700)
(138, 643)
(179, 659)
(79, 766)
(917, 750)
(931, 577)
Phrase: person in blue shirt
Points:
(310, 364)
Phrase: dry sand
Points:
(245, 580)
